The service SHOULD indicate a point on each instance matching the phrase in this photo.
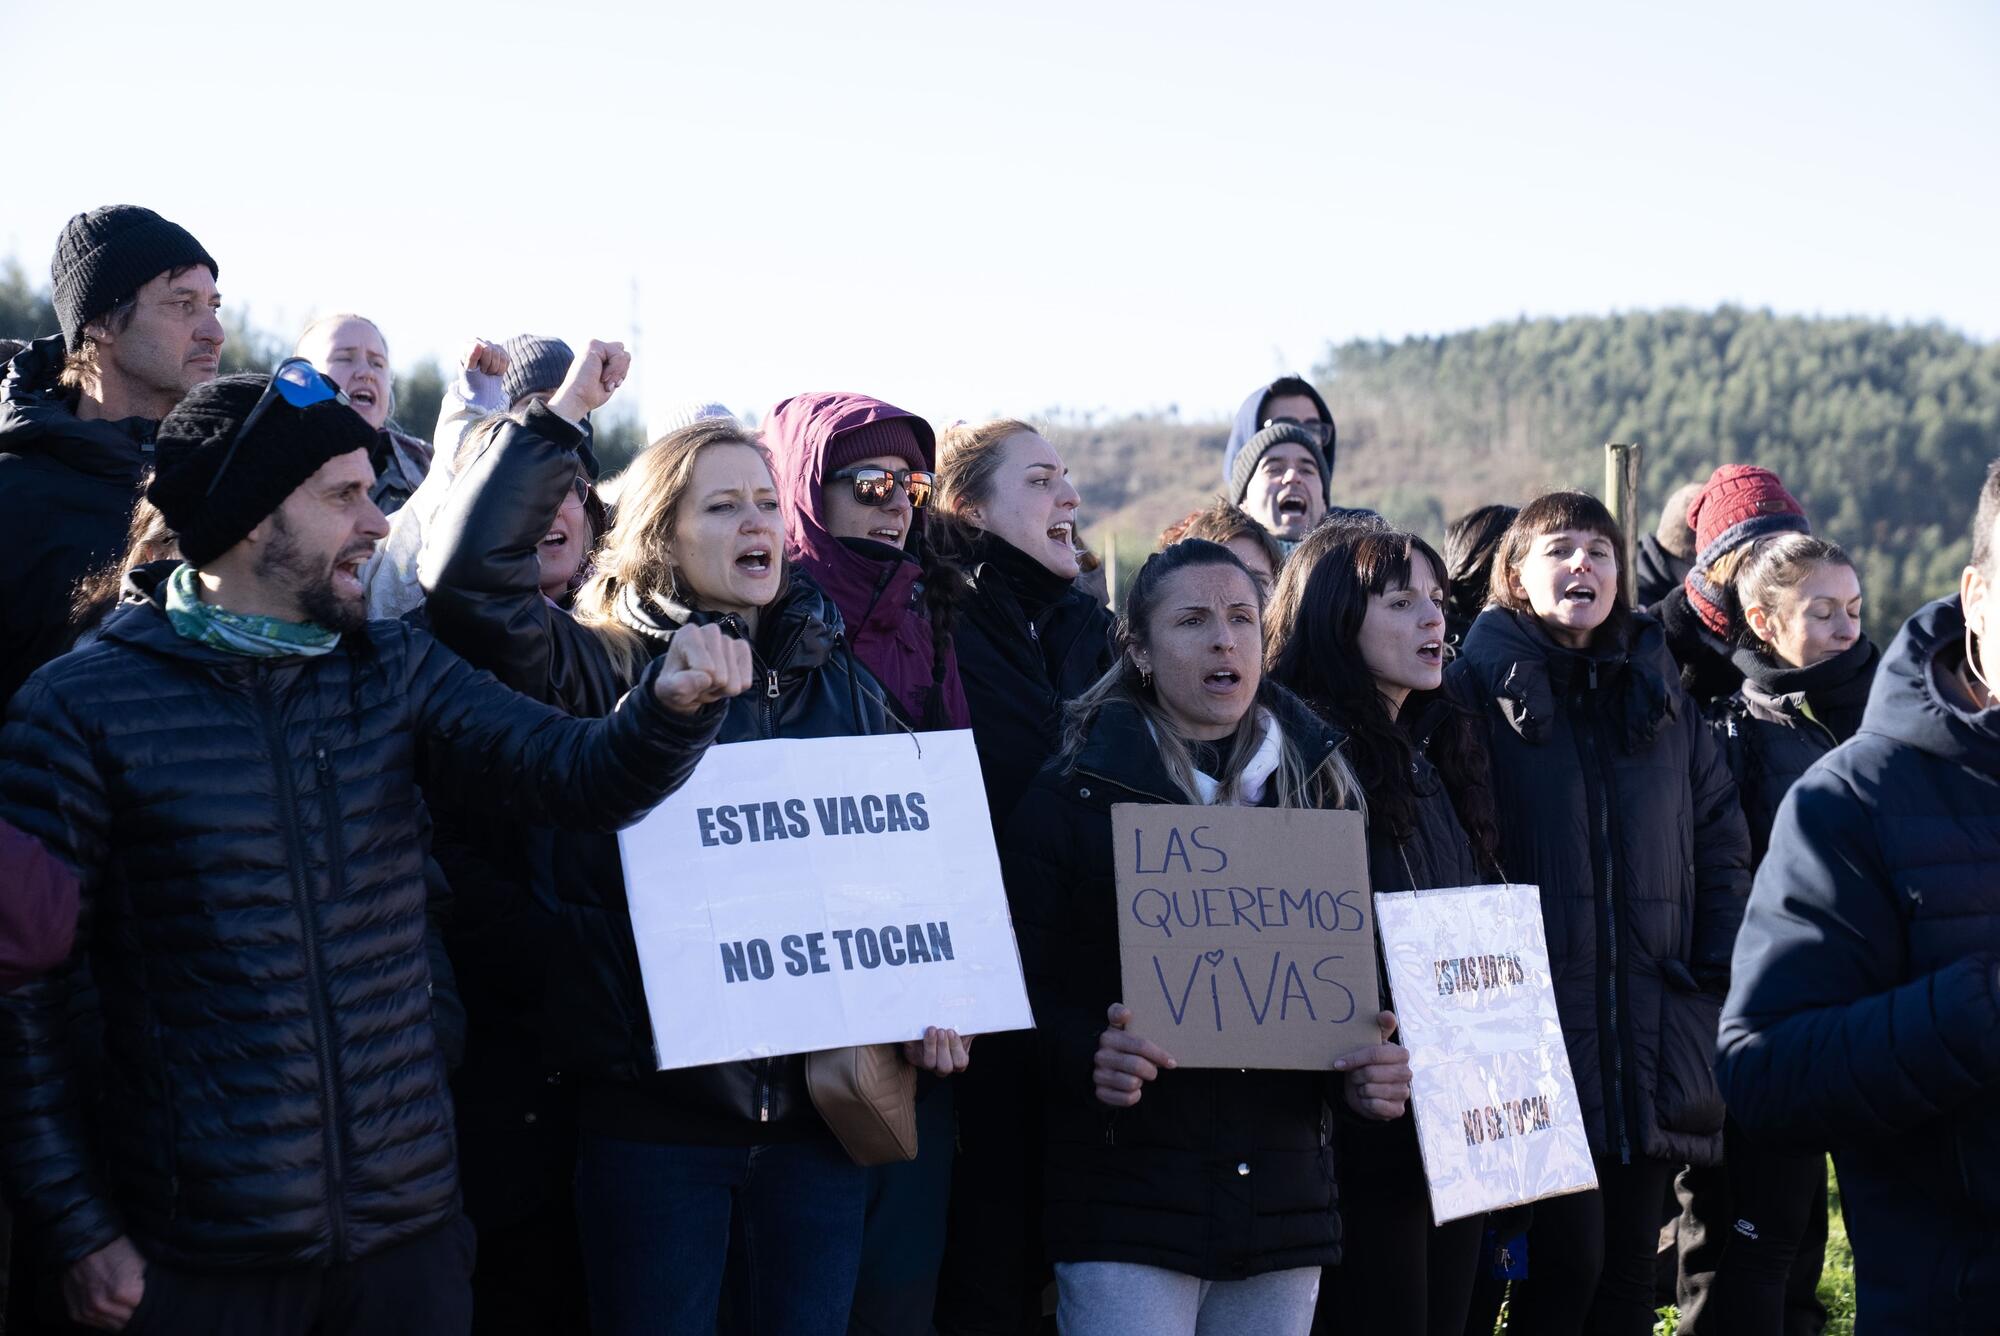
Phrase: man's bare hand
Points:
(103, 1290)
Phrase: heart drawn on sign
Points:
(1212, 957)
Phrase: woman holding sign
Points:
(671, 1161)
(1357, 630)
(1615, 800)
(1807, 670)
(1194, 1201)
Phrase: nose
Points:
(210, 329)
(1433, 614)
(898, 502)
(1067, 497)
(374, 524)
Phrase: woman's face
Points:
(1570, 579)
(1815, 620)
(1032, 504)
(565, 545)
(848, 518)
(1402, 634)
(729, 540)
(1204, 648)
(353, 356)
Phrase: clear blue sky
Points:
(977, 208)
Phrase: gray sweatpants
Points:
(1126, 1299)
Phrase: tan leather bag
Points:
(868, 1096)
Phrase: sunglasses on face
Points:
(1319, 431)
(299, 383)
(874, 486)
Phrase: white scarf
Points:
(1256, 773)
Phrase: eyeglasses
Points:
(299, 383)
(581, 486)
(1318, 430)
(874, 486)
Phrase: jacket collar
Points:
(1526, 674)
(1121, 749)
(795, 635)
(38, 417)
(1033, 586)
(1833, 686)
(1913, 705)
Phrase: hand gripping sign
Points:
(797, 895)
(1244, 933)
(1497, 1117)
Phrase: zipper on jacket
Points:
(1587, 730)
(763, 1092)
(771, 683)
(315, 967)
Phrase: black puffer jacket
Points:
(67, 488)
(1217, 1174)
(1864, 1015)
(1028, 641)
(480, 575)
(1782, 721)
(248, 835)
(1614, 799)
(1707, 662)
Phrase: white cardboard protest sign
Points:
(804, 894)
(1469, 981)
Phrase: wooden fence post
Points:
(1621, 496)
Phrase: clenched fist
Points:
(702, 665)
(487, 359)
(593, 378)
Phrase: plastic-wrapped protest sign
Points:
(1469, 981)
(806, 894)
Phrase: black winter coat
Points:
(1864, 1015)
(1707, 662)
(1216, 1174)
(248, 838)
(67, 488)
(1782, 721)
(1028, 643)
(481, 580)
(1614, 799)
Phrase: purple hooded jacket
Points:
(881, 600)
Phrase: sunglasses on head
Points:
(1318, 430)
(299, 383)
(874, 486)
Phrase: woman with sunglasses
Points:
(857, 477)
(1357, 629)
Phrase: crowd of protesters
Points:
(320, 1004)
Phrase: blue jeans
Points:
(655, 1223)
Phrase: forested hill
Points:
(1883, 431)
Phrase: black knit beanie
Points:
(288, 446)
(1254, 449)
(106, 255)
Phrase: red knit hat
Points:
(1739, 504)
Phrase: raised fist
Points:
(486, 359)
(704, 664)
(593, 378)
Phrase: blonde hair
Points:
(333, 318)
(636, 558)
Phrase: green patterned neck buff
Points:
(236, 632)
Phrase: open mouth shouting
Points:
(347, 572)
(1291, 503)
(1431, 652)
(1222, 682)
(555, 540)
(889, 533)
(362, 397)
(1061, 531)
(1579, 594)
(755, 563)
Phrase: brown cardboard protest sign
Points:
(1246, 933)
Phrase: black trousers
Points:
(419, 1288)
(1752, 1242)
(994, 1265)
(1590, 1256)
(1399, 1275)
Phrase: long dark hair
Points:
(1312, 645)
(1470, 545)
(1332, 784)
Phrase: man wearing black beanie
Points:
(232, 777)
(136, 302)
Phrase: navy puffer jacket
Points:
(247, 835)
(1615, 800)
(1864, 1016)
